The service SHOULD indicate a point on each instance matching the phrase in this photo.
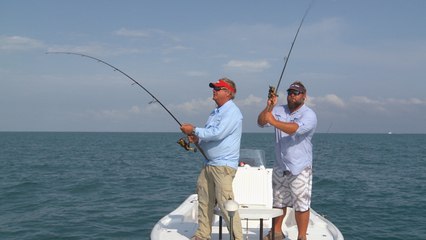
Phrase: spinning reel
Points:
(186, 144)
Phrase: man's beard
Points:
(294, 105)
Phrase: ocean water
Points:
(118, 185)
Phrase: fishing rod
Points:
(273, 90)
(182, 142)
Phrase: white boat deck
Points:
(181, 224)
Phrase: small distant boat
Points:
(253, 192)
(389, 132)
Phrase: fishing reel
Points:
(271, 92)
(186, 144)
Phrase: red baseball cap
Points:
(222, 83)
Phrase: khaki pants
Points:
(215, 184)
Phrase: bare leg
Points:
(279, 222)
(302, 220)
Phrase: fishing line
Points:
(156, 100)
(274, 90)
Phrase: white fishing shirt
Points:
(221, 136)
(294, 152)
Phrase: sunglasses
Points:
(294, 92)
(219, 88)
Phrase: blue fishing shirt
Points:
(294, 152)
(220, 138)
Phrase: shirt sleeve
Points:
(218, 127)
(307, 121)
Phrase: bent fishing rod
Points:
(274, 90)
(182, 142)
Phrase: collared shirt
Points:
(294, 152)
(220, 138)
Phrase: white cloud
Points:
(196, 74)
(146, 33)
(95, 49)
(252, 66)
(176, 48)
(135, 110)
(387, 104)
(329, 99)
(132, 33)
(410, 101)
(19, 43)
(327, 29)
(195, 105)
(249, 101)
(108, 114)
(116, 114)
(366, 114)
(365, 100)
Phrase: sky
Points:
(363, 62)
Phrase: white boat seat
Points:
(252, 188)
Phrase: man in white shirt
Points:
(295, 125)
(220, 140)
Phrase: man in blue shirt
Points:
(295, 125)
(220, 141)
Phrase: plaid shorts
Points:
(292, 190)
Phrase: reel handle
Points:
(271, 94)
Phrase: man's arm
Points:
(287, 127)
(266, 117)
(263, 117)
